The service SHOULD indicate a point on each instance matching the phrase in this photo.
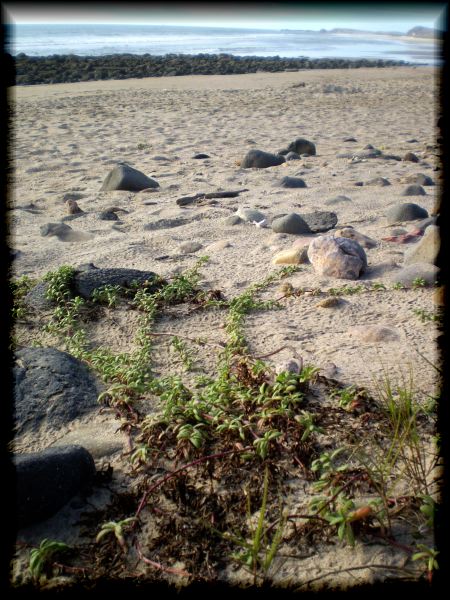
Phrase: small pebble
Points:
(328, 302)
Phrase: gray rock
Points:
(257, 159)
(60, 230)
(407, 275)
(302, 146)
(337, 200)
(124, 177)
(320, 220)
(411, 157)
(108, 215)
(405, 212)
(419, 179)
(51, 389)
(414, 190)
(426, 250)
(250, 214)
(291, 223)
(64, 232)
(292, 182)
(292, 156)
(85, 282)
(47, 480)
(382, 181)
(36, 299)
(342, 258)
(233, 220)
(200, 155)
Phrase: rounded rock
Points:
(257, 159)
(292, 182)
(382, 181)
(291, 223)
(414, 190)
(405, 212)
(302, 146)
(47, 480)
(411, 157)
(341, 258)
(124, 177)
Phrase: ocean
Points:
(98, 40)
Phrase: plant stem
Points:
(166, 478)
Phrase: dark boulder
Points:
(411, 157)
(302, 146)
(47, 480)
(320, 220)
(86, 282)
(419, 179)
(257, 159)
(292, 182)
(51, 389)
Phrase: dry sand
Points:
(67, 137)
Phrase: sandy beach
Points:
(65, 140)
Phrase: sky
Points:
(377, 16)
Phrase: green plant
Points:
(107, 294)
(429, 556)
(184, 352)
(116, 528)
(306, 420)
(398, 286)
(326, 468)
(347, 290)
(258, 550)
(419, 282)
(346, 396)
(262, 443)
(58, 289)
(428, 509)
(41, 558)
(426, 316)
(376, 285)
(342, 519)
(19, 289)
(140, 455)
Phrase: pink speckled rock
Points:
(342, 258)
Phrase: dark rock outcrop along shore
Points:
(32, 70)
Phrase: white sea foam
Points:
(98, 40)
